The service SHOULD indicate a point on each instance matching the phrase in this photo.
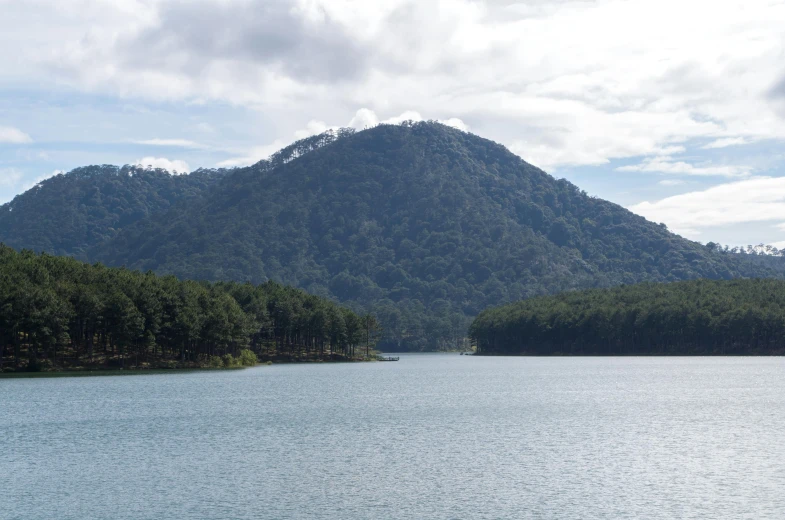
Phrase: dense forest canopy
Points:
(699, 317)
(69, 213)
(57, 312)
(421, 224)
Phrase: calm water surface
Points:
(428, 437)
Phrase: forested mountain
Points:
(57, 312)
(698, 317)
(71, 212)
(68, 213)
(423, 224)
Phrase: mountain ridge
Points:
(75, 210)
(421, 223)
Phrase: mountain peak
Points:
(421, 223)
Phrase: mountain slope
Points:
(69, 213)
(422, 223)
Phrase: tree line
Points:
(699, 317)
(59, 313)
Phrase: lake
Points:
(432, 436)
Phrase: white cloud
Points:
(12, 181)
(253, 156)
(757, 199)
(367, 118)
(13, 135)
(559, 82)
(570, 82)
(727, 141)
(206, 128)
(312, 128)
(10, 177)
(668, 165)
(175, 143)
(363, 118)
(39, 179)
(409, 115)
(671, 182)
(456, 123)
(175, 166)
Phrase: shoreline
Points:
(157, 371)
(110, 372)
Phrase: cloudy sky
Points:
(674, 109)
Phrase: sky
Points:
(673, 109)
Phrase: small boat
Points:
(380, 358)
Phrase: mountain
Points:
(69, 213)
(421, 223)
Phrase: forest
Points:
(57, 313)
(698, 317)
(420, 224)
(69, 213)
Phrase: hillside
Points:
(699, 317)
(423, 224)
(69, 213)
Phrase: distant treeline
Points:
(57, 312)
(699, 317)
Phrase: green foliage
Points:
(229, 361)
(56, 312)
(247, 358)
(69, 213)
(420, 224)
(700, 317)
